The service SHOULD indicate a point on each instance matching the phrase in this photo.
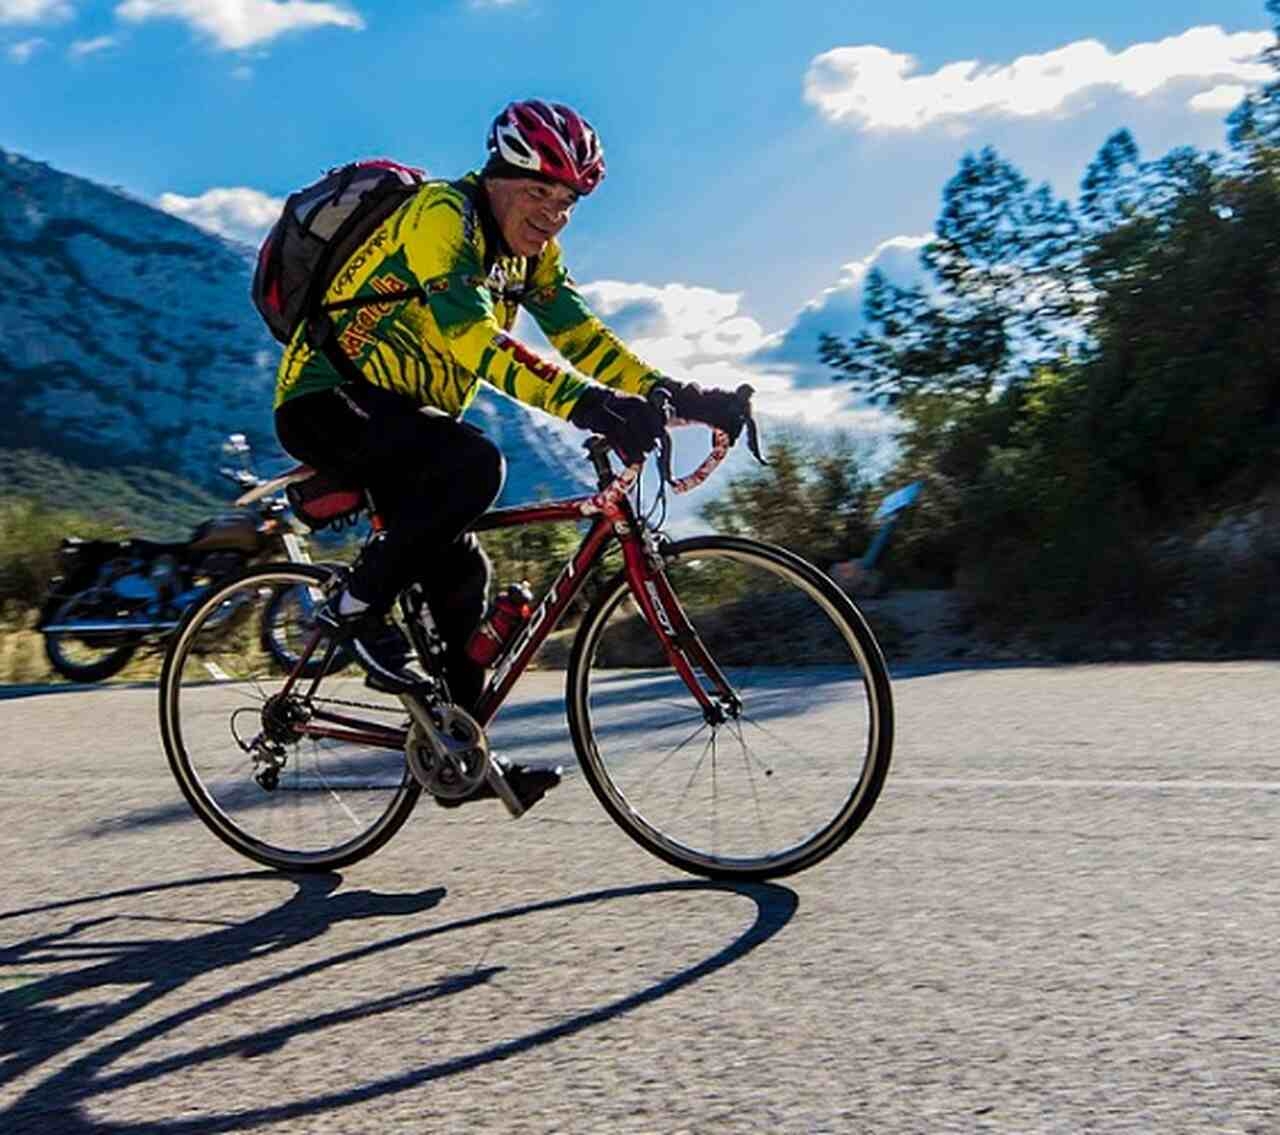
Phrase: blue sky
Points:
(761, 154)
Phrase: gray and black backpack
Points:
(321, 226)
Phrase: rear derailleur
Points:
(280, 716)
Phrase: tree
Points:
(811, 499)
(1004, 265)
(1255, 123)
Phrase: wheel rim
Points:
(332, 798)
(780, 785)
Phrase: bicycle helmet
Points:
(547, 140)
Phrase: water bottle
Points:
(510, 612)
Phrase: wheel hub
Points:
(281, 714)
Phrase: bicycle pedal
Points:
(497, 780)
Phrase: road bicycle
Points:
(728, 704)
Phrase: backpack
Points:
(320, 227)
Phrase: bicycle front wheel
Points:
(791, 758)
(295, 801)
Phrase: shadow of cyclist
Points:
(35, 1030)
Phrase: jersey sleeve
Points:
(578, 333)
(445, 252)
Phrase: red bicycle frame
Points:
(614, 518)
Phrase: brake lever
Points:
(753, 441)
(667, 407)
(744, 393)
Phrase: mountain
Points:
(127, 338)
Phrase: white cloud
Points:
(874, 88)
(1223, 98)
(34, 11)
(675, 325)
(82, 47)
(242, 214)
(698, 334)
(21, 52)
(838, 311)
(237, 24)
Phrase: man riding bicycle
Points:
(473, 252)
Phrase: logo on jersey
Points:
(526, 358)
(359, 332)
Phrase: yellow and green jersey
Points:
(436, 351)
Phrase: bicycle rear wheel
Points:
(318, 803)
(796, 764)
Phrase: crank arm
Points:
(447, 748)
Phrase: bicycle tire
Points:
(240, 686)
(725, 625)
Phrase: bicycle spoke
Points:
(747, 758)
(697, 767)
(336, 799)
(810, 743)
(788, 746)
(715, 800)
(657, 768)
(683, 707)
(765, 767)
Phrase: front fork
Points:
(646, 574)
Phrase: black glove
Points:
(723, 409)
(630, 424)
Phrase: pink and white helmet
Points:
(550, 140)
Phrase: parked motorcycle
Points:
(112, 598)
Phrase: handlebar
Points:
(721, 443)
(616, 484)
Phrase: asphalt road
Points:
(1061, 917)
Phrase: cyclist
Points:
(479, 249)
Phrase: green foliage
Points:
(1002, 261)
(531, 552)
(1078, 387)
(149, 502)
(1255, 123)
(809, 499)
(30, 533)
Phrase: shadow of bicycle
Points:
(63, 1020)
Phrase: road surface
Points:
(1061, 917)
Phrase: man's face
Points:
(529, 212)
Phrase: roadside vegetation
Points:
(1090, 392)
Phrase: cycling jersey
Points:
(445, 241)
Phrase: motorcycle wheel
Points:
(91, 658)
(287, 622)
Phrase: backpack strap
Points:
(321, 331)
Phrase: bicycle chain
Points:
(350, 704)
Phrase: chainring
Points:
(451, 759)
